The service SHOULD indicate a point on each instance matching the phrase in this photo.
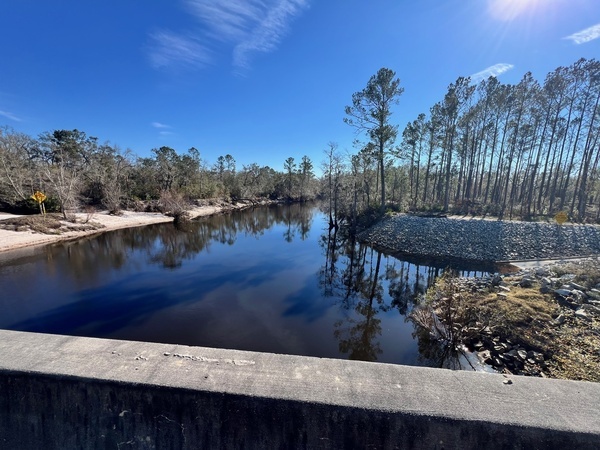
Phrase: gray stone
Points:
(538, 357)
(544, 289)
(496, 280)
(577, 286)
(542, 272)
(485, 356)
(567, 302)
(591, 309)
(506, 358)
(567, 277)
(560, 319)
(582, 314)
(578, 295)
(563, 292)
(513, 353)
(526, 282)
(594, 293)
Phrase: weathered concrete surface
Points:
(69, 392)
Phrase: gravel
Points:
(482, 240)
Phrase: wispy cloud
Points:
(587, 35)
(170, 49)
(245, 26)
(163, 129)
(268, 32)
(492, 71)
(9, 116)
(230, 20)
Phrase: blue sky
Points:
(262, 79)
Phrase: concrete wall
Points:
(68, 392)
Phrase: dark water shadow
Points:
(266, 279)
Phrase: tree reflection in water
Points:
(185, 240)
(357, 283)
(367, 285)
(169, 246)
(200, 283)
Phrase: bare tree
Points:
(333, 168)
(64, 156)
(16, 167)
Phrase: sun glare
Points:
(511, 9)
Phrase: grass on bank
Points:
(524, 316)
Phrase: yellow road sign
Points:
(38, 196)
(561, 217)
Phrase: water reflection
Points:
(357, 284)
(170, 245)
(368, 285)
(271, 279)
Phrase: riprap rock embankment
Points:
(482, 240)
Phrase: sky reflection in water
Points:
(268, 279)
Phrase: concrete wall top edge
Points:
(529, 402)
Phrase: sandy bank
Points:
(12, 240)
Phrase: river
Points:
(271, 279)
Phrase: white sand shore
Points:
(12, 240)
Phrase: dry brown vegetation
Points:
(585, 274)
(53, 223)
(526, 317)
(518, 314)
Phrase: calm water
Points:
(268, 279)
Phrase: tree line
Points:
(75, 170)
(525, 150)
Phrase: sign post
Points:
(40, 197)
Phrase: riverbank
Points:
(540, 319)
(15, 234)
(539, 322)
(482, 240)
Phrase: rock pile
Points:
(505, 354)
(579, 301)
(579, 305)
(482, 240)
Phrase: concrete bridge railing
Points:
(69, 393)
